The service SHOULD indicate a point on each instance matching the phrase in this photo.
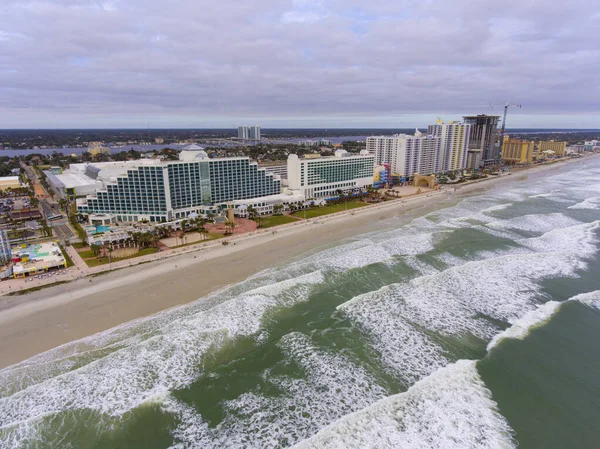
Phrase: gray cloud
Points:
(331, 62)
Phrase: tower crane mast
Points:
(503, 129)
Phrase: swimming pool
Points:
(98, 229)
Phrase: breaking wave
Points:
(451, 408)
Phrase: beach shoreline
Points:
(39, 321)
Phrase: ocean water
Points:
(474, 326)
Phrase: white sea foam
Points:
(375, 249)
(579, 239)
(421, 267)
(305, 281)
(513, 195)
(496, 208)
(452, 302)
(499, 233)
(449, 260)
(505, 285)
(332, 387)
(522, 326)
(535, 223)
(450, 409)
(467, 209)
(591, 299)
(589, 203)
(403, 347)
(169, 359)
(556, 196)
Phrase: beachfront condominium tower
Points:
(243, 132)
(455, 143)
(159, 191)
(255, 132)
(517, 151)
(407, 154)
(483, 136)
(323, 177)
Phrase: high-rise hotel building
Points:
(484, 134)
(249, 132)
(323, 177)
(455, 143)
(165, 190)
(243, 132)
(255, 132)
(407, 154)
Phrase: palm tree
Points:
(229, 225)
(277, 208)
(203, 232)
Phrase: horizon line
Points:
(266, 128)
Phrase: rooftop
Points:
(38, 257)
(271, 199)
(71, 179)
(9, 179)
(192, 147)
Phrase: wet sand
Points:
(42, 320)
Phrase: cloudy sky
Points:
(296, 63)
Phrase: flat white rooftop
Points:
(75, 179)
(9, 179)
(271, 199)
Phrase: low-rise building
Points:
(76, 182)
(25, 214)
(315, 143)
(10, 182)
(97, 148)
(29, 260)
(558, 148)
(326, 176)
(266, 205)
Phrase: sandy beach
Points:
(36, 322)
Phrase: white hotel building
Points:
(407, 154)
(322, 177)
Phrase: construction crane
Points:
(503, 129)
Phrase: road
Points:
(49, 207)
